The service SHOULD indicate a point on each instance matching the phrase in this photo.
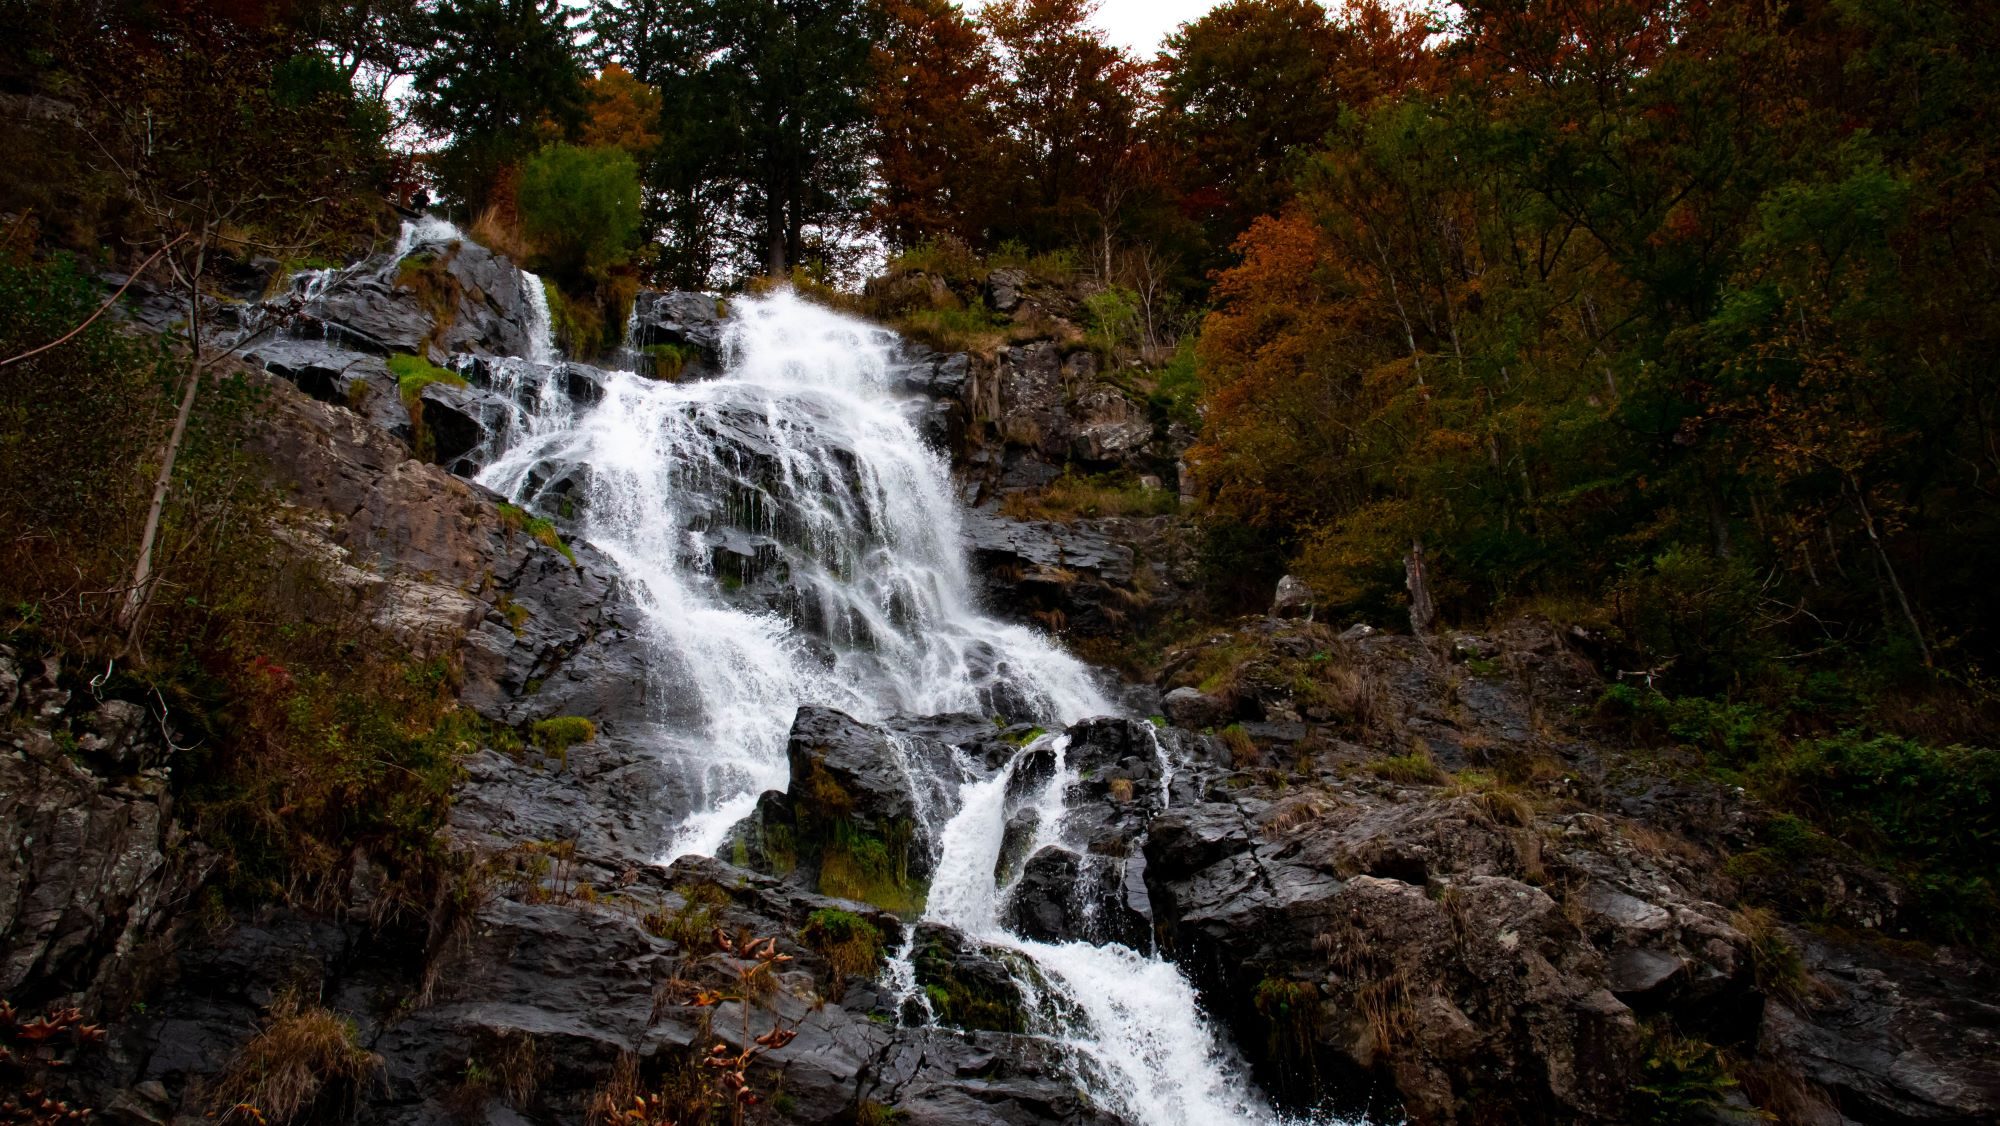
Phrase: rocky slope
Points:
(1407, 876)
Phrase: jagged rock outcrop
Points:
(687, 325)
(1506, 945)
(85, 832)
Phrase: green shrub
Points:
(1177, 387)
(1732, 733)
(1931, 812)
(949, 258)
(581, 208)
(414, 373)
(1682, 1079)
(539, 528)
(1114, 318)
(692, 925)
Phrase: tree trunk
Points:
(1888, 569)
(142, 571)
(1417, 577)
(774, 234)
(133, 611)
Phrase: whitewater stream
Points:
(800, 475)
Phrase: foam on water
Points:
(799, 456)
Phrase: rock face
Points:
(1406, 875)
(690, 324)
(85, 827)
(1294, 599)
(1496, 950)
(444, 296)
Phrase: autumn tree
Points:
(1070, 106)
(936, 132)
(624, 112)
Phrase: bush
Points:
(1931, 812)
(76, 422)
(1114, 318)
(283, 1071)
(581, 208)
(850, 944)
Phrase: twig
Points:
(112, 300)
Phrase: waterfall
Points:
(541, 328)
(1130, 1023)
(790, 539)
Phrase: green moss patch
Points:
(540, 528)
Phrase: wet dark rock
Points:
(565, 986)
(457, 420)
(374, 307)
(85, 831)
(1193, 709)
(690, 322)
(969, 986)
(1061, 576)
(848, 823)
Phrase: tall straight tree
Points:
(764, 126)
(935, 127)
(1071, 109)
(494, 73)
(640, 35)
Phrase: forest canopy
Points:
(1675, 317)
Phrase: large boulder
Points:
(1108, 426)
(444, 295)
(854, 821)
(688, 325)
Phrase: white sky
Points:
(1140, 26)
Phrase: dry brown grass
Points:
(303, 1052)
(1073, 496)
(1528, 854)
(1243, 753)
(1296, 811)
(1657, 843)
(1121, 789)
(1780, 971)
(1508, 808)
(621, 1090)
(1417, 768)
(497, 230)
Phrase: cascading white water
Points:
(791, 539)
(1130, 1023)
(541, 327)
(797, 466)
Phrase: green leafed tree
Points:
(764, 125)
(495, 76)
(581, 208)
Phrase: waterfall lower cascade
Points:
(791, 539)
